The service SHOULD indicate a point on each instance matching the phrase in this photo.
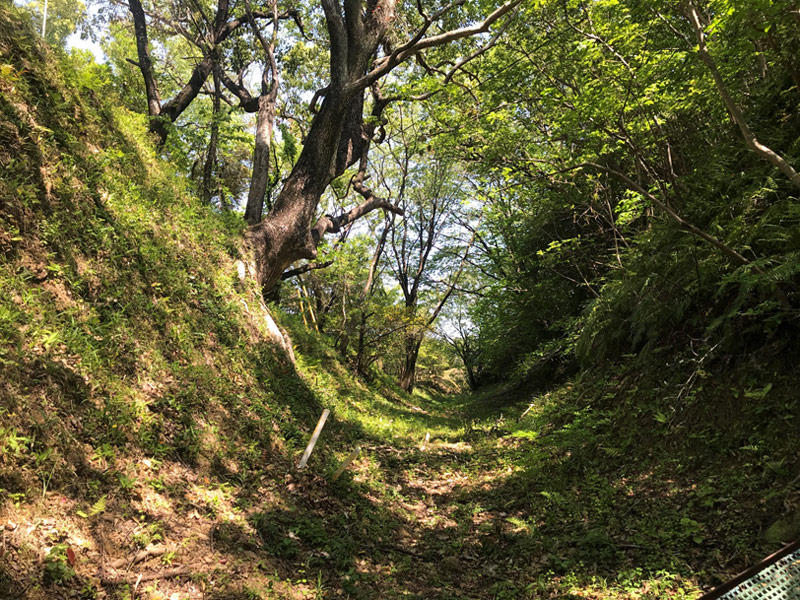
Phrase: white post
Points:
(426, 440)
(350, 458)
(44, 18)
(527, 410)
(314, 436)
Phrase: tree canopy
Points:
(582, 180)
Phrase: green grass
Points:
(143, 403)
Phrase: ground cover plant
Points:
(631, 434)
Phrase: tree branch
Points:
(419, 43)
(685, 225)
(246, 101)
(452, 286)
(305, 269)
(174, 107)
(736, 113)
(338, 38)
(145, 62)
(330, 224)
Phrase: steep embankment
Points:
(144, 402)
(149, 422)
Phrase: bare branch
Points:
(305, 269)
(246, 101)
(453, 282)
(419, 43)
(331, 224)
(482, 50)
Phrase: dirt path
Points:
(483, 513)
(448, 543)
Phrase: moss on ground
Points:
(144, 407)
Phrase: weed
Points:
(57, 567)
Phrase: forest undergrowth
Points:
(150, 426)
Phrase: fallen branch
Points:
(134, 579)
(138, 557)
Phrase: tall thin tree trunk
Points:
(472, 381)
(145, 62)
(408, 375)
(264, 121)
(260, 180)
(209, 168)
(361, 363)
(366, 293)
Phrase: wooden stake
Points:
(527, 410)
(350, 458)
(314, 436)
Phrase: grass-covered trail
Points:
(566, 502)
(492, 508)
(150, 426)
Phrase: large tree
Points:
(339, 135)
(364, 44)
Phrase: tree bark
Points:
(145, 62)
(285, 235)
(338, 134)
(171, 110)
(161, 114)
(265, 121)
(361, 363)
(210, 166)
(408, 375)
(259, 181)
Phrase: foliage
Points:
(577, 263)
(144, 401)
(64, 17)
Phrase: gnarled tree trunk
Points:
(338, 136)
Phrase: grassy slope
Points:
(141, 398)
(142, 404)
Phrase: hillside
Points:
(151, 417)
(144, 398)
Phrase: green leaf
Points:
(98, 507)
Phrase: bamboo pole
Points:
(310, 306)
(350, 458)
(314, 436)
(302, 306)
(44, 19)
